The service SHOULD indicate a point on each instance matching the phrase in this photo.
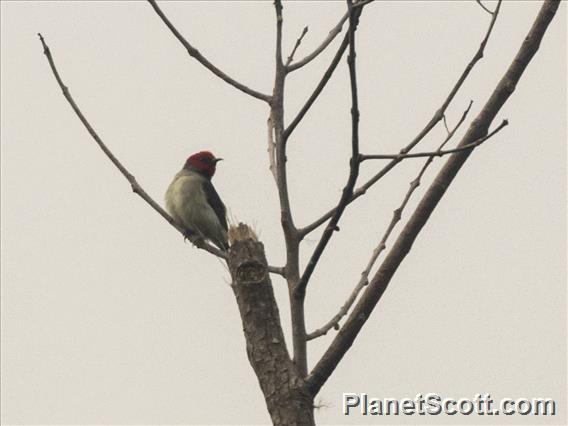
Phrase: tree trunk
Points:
(288, 401)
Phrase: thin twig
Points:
(438, 153)
(378, 285)
(298, 42)
(300, 289)
(484, 7)
(330, 37)
(194, 53)
(438, 115)
(131, 179)
(136, 188)
(397, 214)
(446, 124)
(361, 3)
(321, 85)
(278, 270)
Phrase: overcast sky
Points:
(109, 317)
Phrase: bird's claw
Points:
(193, 238)
(188, 235)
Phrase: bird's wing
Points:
(215, 202)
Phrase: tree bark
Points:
(286, 397)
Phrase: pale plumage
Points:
(192, 201)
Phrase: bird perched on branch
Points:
(192, 201)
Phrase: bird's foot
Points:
(193, 238)
(198, 242)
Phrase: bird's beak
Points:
(217, 160)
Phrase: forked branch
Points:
(298, 42)
(438, 153)
(194, 53)
(299, 291)
(397, 214)
(330, 37)
(478, 128)
(319, 88)
(484, 7)
(136, 188)
(436, 118)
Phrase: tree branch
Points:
(277, 121)
(446, 123)
(361, 3)
(484, 7)
(136, 188)
(321, 85)
(194, 53)
(287, 400)
(330, 37)
(438, 153)
(279, 21)
(478, 128)
(438, 115)
(298, 42)
(299, 291)
(290, 234)
(397, 214)
(271, 147)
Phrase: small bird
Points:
(191, 200)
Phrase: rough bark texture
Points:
(286, 398)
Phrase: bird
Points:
(193, 202)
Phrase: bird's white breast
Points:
(187, 204)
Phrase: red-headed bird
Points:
(191, 200)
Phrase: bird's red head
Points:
(203, 162)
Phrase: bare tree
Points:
(288, 384)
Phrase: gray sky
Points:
(108, 317)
